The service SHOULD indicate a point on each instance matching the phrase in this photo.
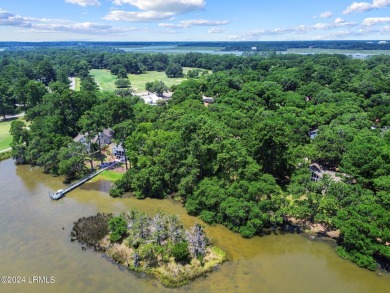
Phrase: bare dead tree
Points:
(197, 241)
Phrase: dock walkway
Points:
(61, 192)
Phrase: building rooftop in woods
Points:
(105, 137)
(152, 99)
(317, 173)
(208, 100)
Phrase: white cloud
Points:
(325, 14)
(320, 26)
(174, 6)
(153, 10)
(57, 25)
(301, 29)
(204, 22)
(81, 28)
(338, 35)
(84, 3)
(194, 22)
(364, 6)
(215, 30)
(10, 19)
(141, 16)
(339, 20)
(375, 20)
(173, 25)
(170, 31)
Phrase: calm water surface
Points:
(173, 49)
(35, 241)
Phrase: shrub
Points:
(118, 228)
(116, 192)
(208, 217)
(180, 252)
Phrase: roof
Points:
(108, 133)
(208, 99)
(79, 137)
(320, 172)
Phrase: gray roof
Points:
(320, 172)
(107, 134)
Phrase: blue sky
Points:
(193, 20)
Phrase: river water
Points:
(174, 49)
(35, 241)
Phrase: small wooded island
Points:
(159, 246)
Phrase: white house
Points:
(118, 151)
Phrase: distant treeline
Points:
(225, 46)
(283, 46)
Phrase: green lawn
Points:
(5, 137)
(77, 80)
(138, 81)
(108, 175)
(106, 80)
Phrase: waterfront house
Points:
(118, 151)
(103, 138)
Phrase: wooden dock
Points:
(61, 192)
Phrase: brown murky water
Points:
(35, 241)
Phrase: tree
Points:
(88, 84)
(197, 241)
(232, 160)
(207, 196)
(123, 92)
(364, 229)
(72, 161)
(157, 87)
(7, 103)
(331, 143)
(159, 230)
(20, 140)
(174, 70)
(175, 229)
(118, 228)
(45, 72)
(180, 252)
(35, 91)
(366, 158)
(123, 83)
(121, 132)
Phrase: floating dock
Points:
(61, 192)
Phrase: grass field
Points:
(5, 137)
(106, 80)
(138, 81)
(108, 175)
(77, 80)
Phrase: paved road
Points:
(5, 150)
(12, 116)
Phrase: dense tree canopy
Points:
(241, 161)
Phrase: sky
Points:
(193, 20)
